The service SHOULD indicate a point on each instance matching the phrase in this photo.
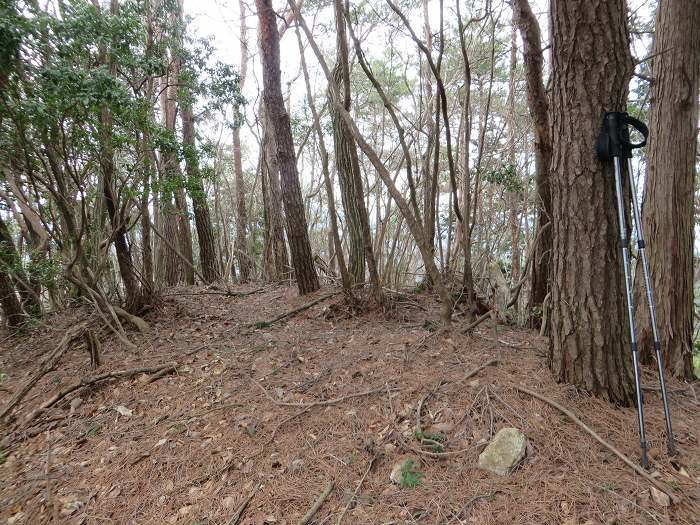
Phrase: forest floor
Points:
(256, 422)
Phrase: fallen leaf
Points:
(123, 411)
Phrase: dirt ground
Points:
(270, 415)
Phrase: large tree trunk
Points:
(241, 242)
(668, 215)
(539, 111)
(297, 234)
(591, 68)
(277, 258)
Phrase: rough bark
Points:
(346, 178)
(277, 257)
(539, 111)
(591, 68)
(297, 232)
(668, 214)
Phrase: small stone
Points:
(297, 465)
(660, 498)
(75, 404)
(505, 452)
(397, 471)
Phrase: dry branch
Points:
(639, 470)
(323, 403)
(357, 489)
(478, 369)
(236, 518)
(291, 313)
(317, 504)
(87, 381)
(477, 322)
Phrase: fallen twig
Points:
(317, 504)
(477, 322)
(473, 372)
(286, 315)
(357, 489)
(87, 381)
(236, 518)
(639, 470)
(326, 402)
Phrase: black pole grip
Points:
(614, 139)
(639, 126)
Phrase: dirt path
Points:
(270, 416)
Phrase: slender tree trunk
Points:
(513, 196)
(539, 111)
(297, 233)
(348, 142)
(591, 68)
(117, 220)
(334, 235)
(669, 212)
(11, 307)
(344, 167)
(241, 242)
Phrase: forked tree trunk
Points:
(346, 152)
(591, 68)
(297, 233)
(117, 220)
(539, 111)
(669, 211)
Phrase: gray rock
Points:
(505, 451)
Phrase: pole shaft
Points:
(652, 306)
(624, 241)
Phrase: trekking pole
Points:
(652, 308)
(613, 144)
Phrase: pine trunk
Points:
(297, 233)
(591, 68)
(668, 213)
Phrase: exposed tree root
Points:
(639, 470)
(87, 381)
(47, 365)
